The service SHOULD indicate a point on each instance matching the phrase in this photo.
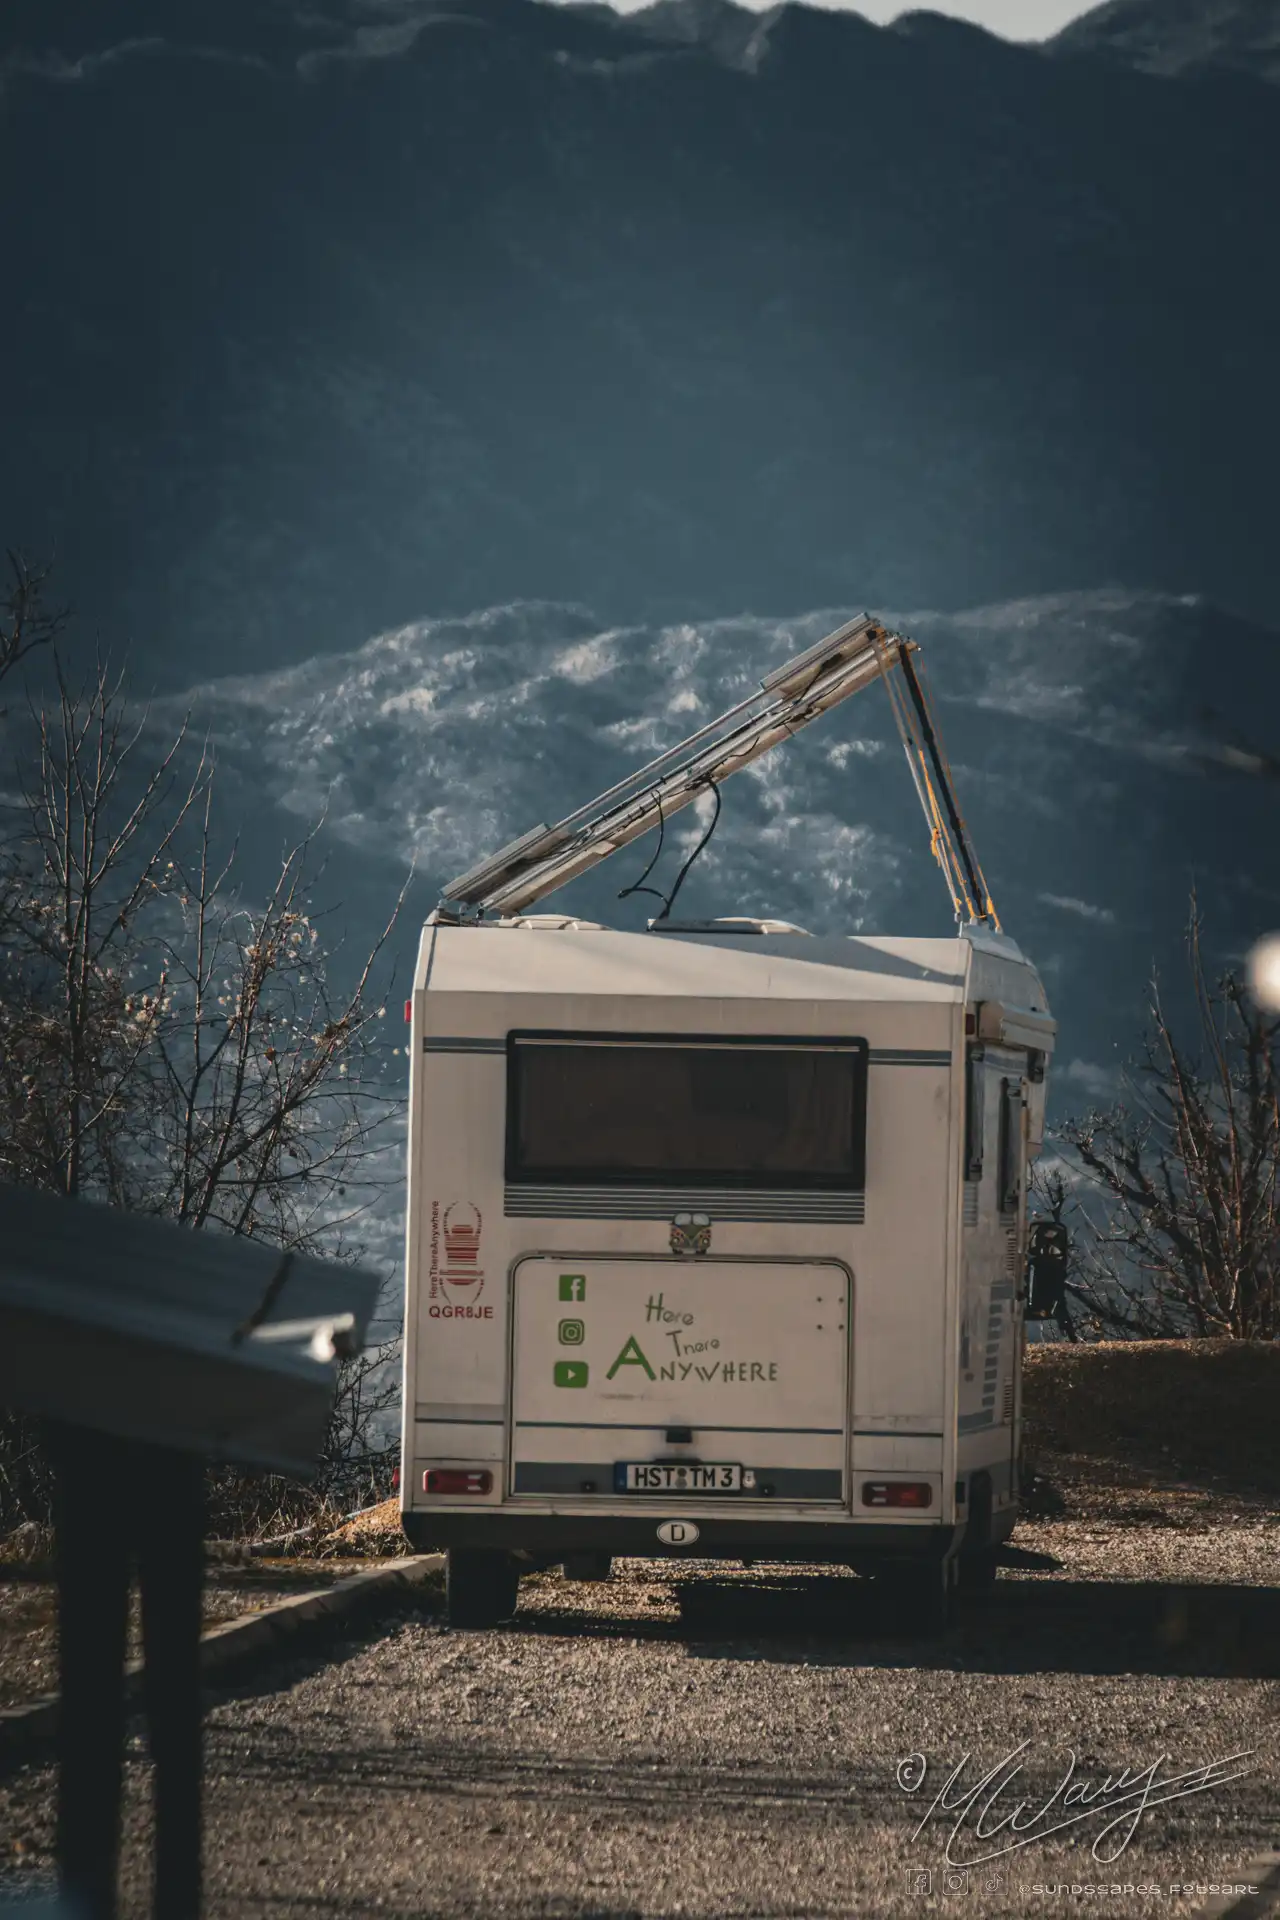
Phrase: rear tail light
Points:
(395, 1480)
(408, 1010)
(897, 1493)
(457, 1480)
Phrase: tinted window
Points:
(737, 1113)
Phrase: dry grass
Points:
(1204, 1413)
(377, 1533)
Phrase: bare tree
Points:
(26, 621)
(165, 1045)
(1179, 1206)
(82, 874)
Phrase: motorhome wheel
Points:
(978, 1570)
(917, 1600)
(480, 1588)
(977, 1559)
(588, 1566)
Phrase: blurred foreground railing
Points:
(149, 1349)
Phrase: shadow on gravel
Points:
(1076, 1626)
(1059, 1626)
(648, 1781)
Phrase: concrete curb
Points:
(26, 1729)
(1264, 1874)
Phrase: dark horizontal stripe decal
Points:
(445, 1043)
(624, 1426)
(568, 1477)
(976, 1422)
(460, 1410)
(908, 1057)
(892, 1433)
(453, 1420)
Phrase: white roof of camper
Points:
(698, 965)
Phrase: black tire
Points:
(978, 1570)
(588, 1566)
(977, 1554)
(480, 1588)
(917, 1600)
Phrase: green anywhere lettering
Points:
(631, 1356)
(739, 1373)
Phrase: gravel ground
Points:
(715, 1741)
(28, 1612)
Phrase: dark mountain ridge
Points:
(322, 322)
(1158, 36)
(1181, 36)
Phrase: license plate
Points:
(680, 1476)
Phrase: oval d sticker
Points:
(677, 1533)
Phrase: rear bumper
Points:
(548, 1537)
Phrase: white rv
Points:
(716, 1242)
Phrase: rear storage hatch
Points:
(674, 1382)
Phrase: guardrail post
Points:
(93, 1596)
(171, 1572)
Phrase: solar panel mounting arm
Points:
(788, 699)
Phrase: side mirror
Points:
(1048, 1257)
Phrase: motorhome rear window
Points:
(746, 1112)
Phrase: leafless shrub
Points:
(165, 1046)
(1177, 1211)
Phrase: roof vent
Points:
(737, 923)
(555, 922)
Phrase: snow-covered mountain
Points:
(1082, 731)
(1189, 37)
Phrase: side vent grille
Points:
(652, 1203)
(1006, 1416)
(1011, 1255)
(969, 1216)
